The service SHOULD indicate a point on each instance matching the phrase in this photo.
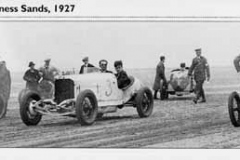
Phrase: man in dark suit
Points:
(32, 77)
(85, 65)
(160, 75)
(201, 70)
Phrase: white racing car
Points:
(86, 97)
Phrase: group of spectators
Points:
(48, 73)
(199, 69)
(33, 76)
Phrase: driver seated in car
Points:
(182, 68)
(122, 78)
(103, 66)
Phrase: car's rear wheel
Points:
(3, 108)
(144, 102)
(86, 107)
(28, 115)
(234, 108)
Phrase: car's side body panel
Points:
(104, 86)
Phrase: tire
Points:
(234, 107)
(30, 119)
(3, 108)
(21, 95)
(86, 107)
(144, 102)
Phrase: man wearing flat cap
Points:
(32, 77)
(85, 65)
(5, 87)
(201, 72)
(49, 74)
(48, 71)
(103, 66)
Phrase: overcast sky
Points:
(139, 45)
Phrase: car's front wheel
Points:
(144, 102)
(27, 113)
(86, 107)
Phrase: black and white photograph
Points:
(120, 74)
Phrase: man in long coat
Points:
(160, 75)
(5, 88)
(201, 70)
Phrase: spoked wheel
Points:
(28, 115)
(234, 108)
(144, 102)
(86, 107)
(3, 108)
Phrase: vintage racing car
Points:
(179, 84)
(85, 96)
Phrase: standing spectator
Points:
(201, 70)
(49, 74)
(85, 65)
(32, 77)
(236, 63)
(5, 88)
(160, 75)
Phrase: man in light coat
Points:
(48, 74)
